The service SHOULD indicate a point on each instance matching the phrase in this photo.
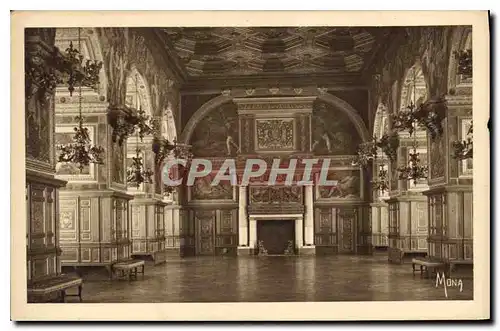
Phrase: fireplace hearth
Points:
(277, 237)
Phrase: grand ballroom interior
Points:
(390, 107)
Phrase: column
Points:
(299, 239)
(309, 216)
(42, 188)
(450, 191)
(253, 233)
(242, 218)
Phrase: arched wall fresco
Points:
(333, 133)
(216, 133)
(327, 98)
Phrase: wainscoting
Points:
(340, 230)
(216, 231)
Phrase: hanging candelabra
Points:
(137, 174)
(66, 67)
(77, 72)
(381, 184)
(366, 153)
(80, 151)
(126, 120)
(177, 151)
(413, 170)
(462, 150)
(427, 115)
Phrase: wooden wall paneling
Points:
(326, 231)
(205, 230)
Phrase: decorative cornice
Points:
(252, 105)
(344, 80)
(458, 100)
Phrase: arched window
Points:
(413, 94)
(169, 131)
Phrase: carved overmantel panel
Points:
(275, 124)
(275, 199)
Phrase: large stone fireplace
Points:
(275, 231)
(276, 236)
(277, 130)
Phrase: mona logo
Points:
(448, 282)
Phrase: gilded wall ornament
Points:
(275, 134)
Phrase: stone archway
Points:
(408, 217)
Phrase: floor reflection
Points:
(268, 279)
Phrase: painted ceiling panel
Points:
(210, 51)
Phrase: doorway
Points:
(275, 235)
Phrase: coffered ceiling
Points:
(249, 51)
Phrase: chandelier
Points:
(414, 170)
(178, 151)
(389, 144)
(381, 184)
(78, 73)
(136, 173)
(462, 150)
(66, 67)
(80, 151)
(427, 115)
(162, 149)
(366, 153)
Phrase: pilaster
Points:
(42, 188)
(95, 215)
(450, 193)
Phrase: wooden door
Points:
(205, 226)
(346, 221)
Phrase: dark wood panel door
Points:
(205, 224)
(276, 234)
(346, 220)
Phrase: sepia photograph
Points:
(325, 160)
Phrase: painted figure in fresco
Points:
(347, 187)
(323, 138)
(215, 134)
(203, 190)
(333, 132)
(230, 141)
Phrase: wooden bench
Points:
(56, 284)
(427, 265)
(129, 267)
(452, 264)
